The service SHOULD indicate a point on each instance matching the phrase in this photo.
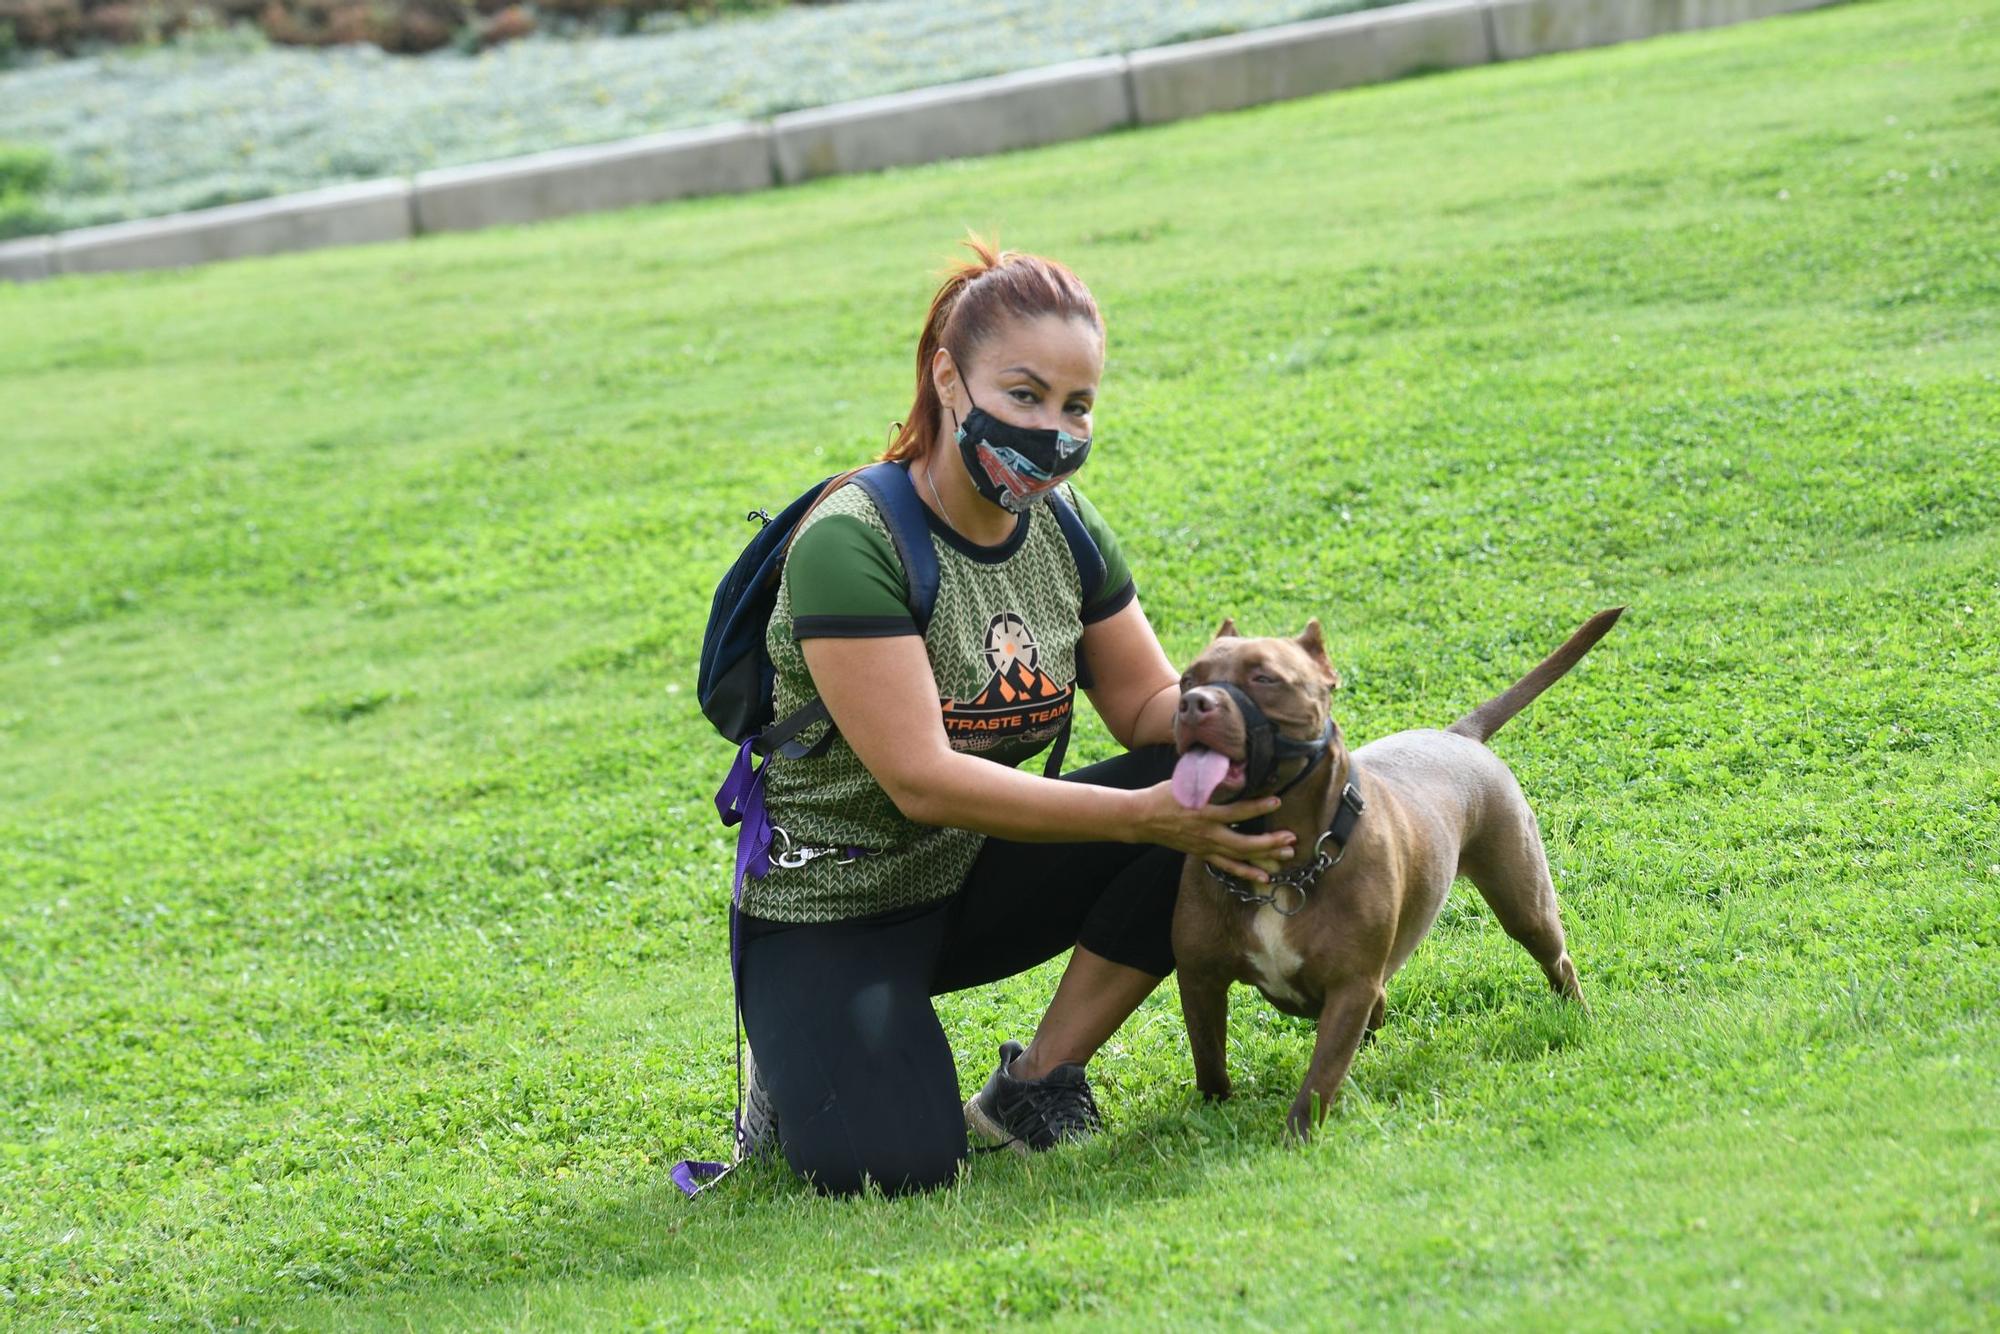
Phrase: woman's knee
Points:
(909, 1143)
(897, 1170)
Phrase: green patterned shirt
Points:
(1004, 643)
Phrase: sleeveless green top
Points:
(1004, 644)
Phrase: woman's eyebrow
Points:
(1086, 392)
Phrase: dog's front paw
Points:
(1301, 1120)
(1215, 1092)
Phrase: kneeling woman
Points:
(973, 871)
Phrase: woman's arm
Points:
(882, 697)
(1136, 689)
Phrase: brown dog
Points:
(1382, 832)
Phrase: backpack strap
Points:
(888, 485)
(781, 737)
(1090, 565)
(827, 488)
(902, 510)
(1090, 569)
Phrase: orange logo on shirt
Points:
(1019, 699)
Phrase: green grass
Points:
(361, 907)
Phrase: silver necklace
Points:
(931, 482)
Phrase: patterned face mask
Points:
(1015, 466)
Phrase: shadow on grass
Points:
(761, 1223)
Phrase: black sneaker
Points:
(757, 1123)
(1028, 1116)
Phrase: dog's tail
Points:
(1491, 716)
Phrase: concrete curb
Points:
(1299, 59)
(716, 159)
(1012, 111)
(28, 260)
(971, 119)
(1524, 28)
(1697, 14)
(338, 215)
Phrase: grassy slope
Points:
(359, 944)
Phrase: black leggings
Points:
(839, 1013)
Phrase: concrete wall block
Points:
(1025, 110)
(339, 215)
(1437, 35)
(28, 260)
(1248, 69)
(1300, 59)
(1523, 28)
(718, 159)
(1721, 13)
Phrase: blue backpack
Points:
(737, 677)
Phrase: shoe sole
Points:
(984, 1126)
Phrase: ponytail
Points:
(967, 310)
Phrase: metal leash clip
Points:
(792, 855)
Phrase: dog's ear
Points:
(1227, 630)
(1313, 641)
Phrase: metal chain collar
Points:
(1299, 880)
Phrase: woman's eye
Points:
(1024, 396)
(1079, 409)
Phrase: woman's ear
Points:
(944, 378)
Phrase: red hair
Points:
(976, 296)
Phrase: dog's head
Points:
(1290, 681)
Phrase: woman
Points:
(973, 871)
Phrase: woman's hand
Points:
(1205, 832)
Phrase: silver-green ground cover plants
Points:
(138, 133)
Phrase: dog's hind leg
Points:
(1205, 1009)
(1511, 871)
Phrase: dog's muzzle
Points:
(1265, 748)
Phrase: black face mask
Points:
(1014, 466)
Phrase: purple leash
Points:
(739, 801)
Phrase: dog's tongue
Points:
(1197, 774)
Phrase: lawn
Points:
(361, 906)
